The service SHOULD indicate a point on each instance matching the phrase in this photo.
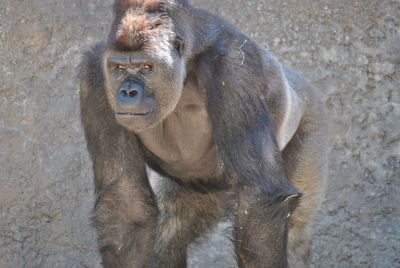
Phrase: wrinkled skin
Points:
(234, 134)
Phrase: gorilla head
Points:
(144, 63)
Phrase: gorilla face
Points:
(142, 88)
(144, 66)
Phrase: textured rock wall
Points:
(348, 49)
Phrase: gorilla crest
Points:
(146, 25)
(231, 133)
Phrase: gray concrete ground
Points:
(349, 49)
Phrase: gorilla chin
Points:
(138, 122)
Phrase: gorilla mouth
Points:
(134, 114)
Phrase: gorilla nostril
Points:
(124, 93)
(133, 93)
(128, 93)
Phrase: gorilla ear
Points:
(179, 45)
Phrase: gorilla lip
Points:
(134, 114)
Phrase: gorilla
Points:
(232, 133)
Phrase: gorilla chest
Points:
(183, 142)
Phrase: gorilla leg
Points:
(185, 214)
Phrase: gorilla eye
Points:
(177, 44)
(120, 67)
(147, 68)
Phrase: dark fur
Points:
(250, 177)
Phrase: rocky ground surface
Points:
(349, 49)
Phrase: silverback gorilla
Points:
(233, 133)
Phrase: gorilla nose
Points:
(129, 93)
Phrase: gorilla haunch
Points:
(233, 133)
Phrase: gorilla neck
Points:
(183, 142)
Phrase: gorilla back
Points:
(234, 134)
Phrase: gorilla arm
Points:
(233, 77)
(124, 200)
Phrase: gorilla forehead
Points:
(147, 26)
